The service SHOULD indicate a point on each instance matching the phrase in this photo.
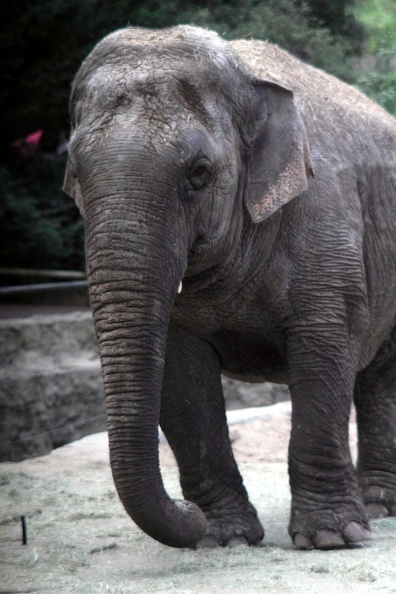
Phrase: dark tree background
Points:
(42, 43)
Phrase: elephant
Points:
(239, 220)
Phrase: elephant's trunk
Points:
(135, 265)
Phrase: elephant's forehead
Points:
(135, 56)
(152, 95)
(154, 85)
(136, 76)
(152, 70)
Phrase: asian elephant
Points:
(239, 210)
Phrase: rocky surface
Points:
(51, 390)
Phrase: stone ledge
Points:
(47, 409)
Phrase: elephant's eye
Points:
(200, 173)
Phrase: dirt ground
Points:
(80, 539)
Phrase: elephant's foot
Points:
(380, 502)
(232, 530)
(336, 526)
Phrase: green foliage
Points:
(378, 80)
(40, 226)
(381, 87)
(377, 16)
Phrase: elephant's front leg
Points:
(194, 422)
(327, 509)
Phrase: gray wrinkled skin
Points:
(269, 189)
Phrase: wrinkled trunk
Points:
(135, 264)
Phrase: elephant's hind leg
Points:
(194, 422)
(375, 400)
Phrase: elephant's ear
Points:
(279, 161)
(71, 185)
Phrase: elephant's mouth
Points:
(199, 245)
(205, 258)
(204, 244)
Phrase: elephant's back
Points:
(316, 91)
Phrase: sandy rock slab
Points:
(81, 540)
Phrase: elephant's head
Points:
(174, 145)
